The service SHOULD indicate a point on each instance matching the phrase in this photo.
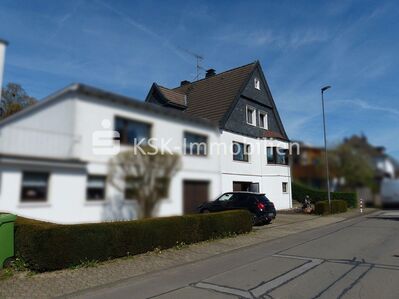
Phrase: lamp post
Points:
(3, 45)
(325, 144)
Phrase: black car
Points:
(262, 209)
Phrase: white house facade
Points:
(53, 166)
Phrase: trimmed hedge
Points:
(299, 192)
(337, 206)
(46, 246)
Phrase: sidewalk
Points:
(64, 282)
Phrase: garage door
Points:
(194, 194)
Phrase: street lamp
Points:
(325, 144)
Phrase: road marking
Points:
(225, 290)
(267, 286)
(278, 281)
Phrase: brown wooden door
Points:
(194, 194)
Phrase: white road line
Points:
(272, 284)
(267, 286)
(226, 290)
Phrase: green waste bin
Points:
(6, 237)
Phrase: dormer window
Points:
(257, 83)
(263, 122)
(251, 116)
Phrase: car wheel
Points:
(268, 221)
(254, 219)
(205, 211)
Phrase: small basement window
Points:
(257, 83)
(251, 119)
(34, 186)
(96, 187)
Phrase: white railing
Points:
(38, 143)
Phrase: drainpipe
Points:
(3, 45)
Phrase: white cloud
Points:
(366, 105)
(273, 38)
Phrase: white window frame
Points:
(247, 148)
(257, 83)
(253, 115)
(265, 120)
(25, 201)
(286, 187)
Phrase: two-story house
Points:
(50, 168)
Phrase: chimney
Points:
(3, 45)
(184, 82)
(210, 73)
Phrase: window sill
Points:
(95, 202)
(34, 205)
(241, 161)
(195, 156)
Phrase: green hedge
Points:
(46, 246)
(337, 206)
(300, 191)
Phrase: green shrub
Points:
(299, 192)
(46, 246)
(337, 206)
(321, 207)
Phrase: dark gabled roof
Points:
(173, 97)
(212, 97)
(107, 96)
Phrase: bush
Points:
(321, 207)
(337, 206)
(46, 246)
(299, 192)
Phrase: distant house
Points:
(307, 167)
(49, 168)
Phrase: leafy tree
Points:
(13, 99)
(143, 174)
(352, 164)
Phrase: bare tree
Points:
(13, 99)
(143, 174)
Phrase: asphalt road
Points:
(356, 258)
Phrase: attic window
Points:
(257, 83)
(251, 116)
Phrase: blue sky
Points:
(124, 46)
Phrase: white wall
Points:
(269, 177)
(67, 190)
(91, 112)
(76, 118)
(45, 131)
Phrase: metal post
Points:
(361, 205)
(325, 145)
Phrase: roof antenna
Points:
(199, 58)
